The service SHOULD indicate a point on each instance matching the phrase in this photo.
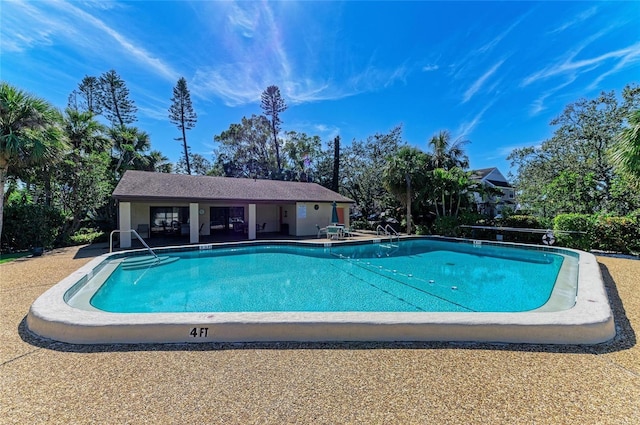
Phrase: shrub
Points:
(87, 236)
(28, 225)
(525, 222)
(581, 224)
(422, 229)
(620, 234)
(446, 226)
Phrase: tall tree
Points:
(336, 164)
(626, 150)
(86, 98)
(301, 154)
(360, 177)
(245, 151)
(575, 163)
(30, 133)
(82, 180)
(181, 114)
(272, 105)
(114, 100)
(130, 145)
(446, 153)
(403, 173)
(200, 166)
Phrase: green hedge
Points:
(619, 234)
(581, 224)
(28, 226)
(607, 233)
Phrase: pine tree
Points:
(181, 114)
(272, 104)
(114, 99)
(86, 98)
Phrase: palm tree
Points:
(446, 154)
(407, 166)
(156, 161)
(29, 133)
(129, 144)
(86, 135)
(626, 151)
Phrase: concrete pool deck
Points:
(48, 382)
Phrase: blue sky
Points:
(494, 73)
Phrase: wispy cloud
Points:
(33, 24)
(477, 85)
(496, 40)
(569, 64)
(253, 63)
(466, 128)
(626, 56)
(428, 68)
(583, 16)
(25, 25)
(139, 53)
(538, 105)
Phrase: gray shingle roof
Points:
(144, 185)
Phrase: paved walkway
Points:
(435, 383)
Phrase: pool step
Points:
(135, 263)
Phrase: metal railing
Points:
(388, 231)
(548, 235)
(136, 235)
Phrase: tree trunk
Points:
(335, 179)
(186, 151)
(275, 141)
(407, 177)
(4, 164)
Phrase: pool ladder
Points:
(136, 235)
(388, 231)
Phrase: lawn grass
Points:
(5, 258)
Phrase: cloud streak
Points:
(253, 63)
(570, 65)
(477, 85)
(34, 24)
(466, 128)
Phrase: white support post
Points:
(125, 224)
(252, 221)
(194, 219)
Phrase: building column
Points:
(124, 218)
(252, 222)
(194, 222)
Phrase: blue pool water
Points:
(408, 276)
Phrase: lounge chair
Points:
(321, 230)
(334, 231)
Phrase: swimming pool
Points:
(416, 289)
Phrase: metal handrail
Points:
(137, 236)
(392, 231)
(388, 231)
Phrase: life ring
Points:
(548, 238)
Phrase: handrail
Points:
(388, 231)
(137, 236)
(391, 231)
(519, 229)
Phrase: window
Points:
(168, 220)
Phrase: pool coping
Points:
(589, 321)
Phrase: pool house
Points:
(160, 205)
